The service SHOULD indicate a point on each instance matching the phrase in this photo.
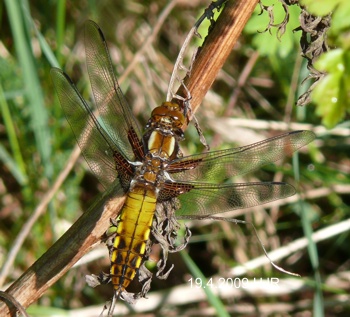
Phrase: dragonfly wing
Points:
(113, 108)
(220, 165)
(208, 199)
(97, 146)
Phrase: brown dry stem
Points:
(217, 47)
(57, 260)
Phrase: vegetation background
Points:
(258, 86)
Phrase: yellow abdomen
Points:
(132, 233)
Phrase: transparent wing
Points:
(97, 146)
(208, 199)
(113, 108)
(220, 165)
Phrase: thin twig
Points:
(292, 247)
(39, 210)
(232, 123)
(242, 80)
(160, 21)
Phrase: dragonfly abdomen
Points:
(132, 234)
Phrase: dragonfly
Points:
(161, 185)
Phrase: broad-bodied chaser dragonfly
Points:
(161, 185)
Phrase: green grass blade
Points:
(34, 94)
(46, 49)
(16, 165)
(212, 298)
(60, 23)
(6, 158)
(312, 248)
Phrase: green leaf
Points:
(331, 95)
(34, 94)
(330, 61)
(268, 43)
(321, 7)
(339, 31)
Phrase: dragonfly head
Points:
(168, 116)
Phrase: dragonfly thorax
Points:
(162, 145)
(151, 170)
(150, 174)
